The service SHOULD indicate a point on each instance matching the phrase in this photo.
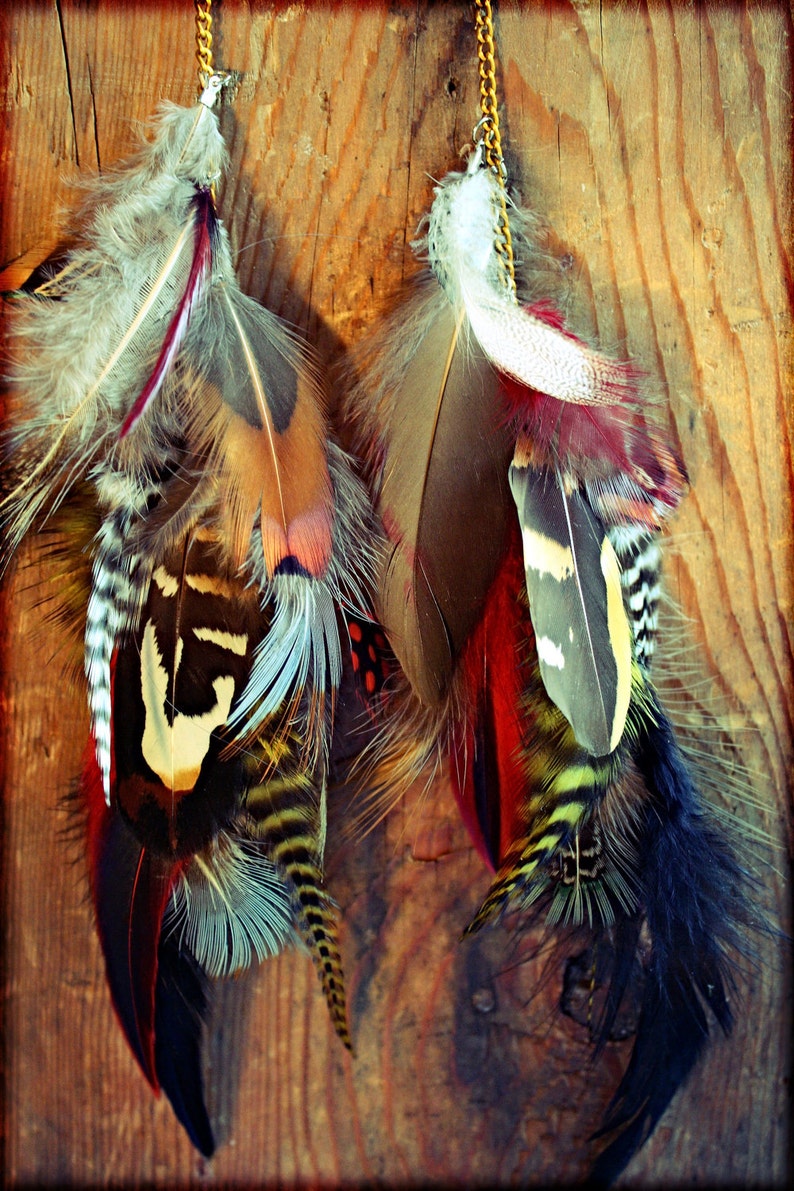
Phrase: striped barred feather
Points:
(119, 583)
(595, 878)
(287, 813)
(640, 557)
(118, 588)
(565, 786)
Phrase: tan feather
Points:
(259, 414)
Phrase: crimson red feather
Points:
(487, 775)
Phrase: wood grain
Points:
(656, 141)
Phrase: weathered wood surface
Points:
(656, 141)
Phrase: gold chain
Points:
(204, 41)
(489, 132)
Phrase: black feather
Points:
(128, 891)
(694, 901)
(181, 1006)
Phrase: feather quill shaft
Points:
(199, 269)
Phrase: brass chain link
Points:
(204, 41)
(489, 134)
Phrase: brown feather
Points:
(442, 499)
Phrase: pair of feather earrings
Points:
(521, 480)
(229, 539)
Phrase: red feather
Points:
(487, 774)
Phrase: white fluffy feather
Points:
(463, 231)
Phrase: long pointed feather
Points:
(130, 888)
(157, 990)
(255, 405)
(441, 457)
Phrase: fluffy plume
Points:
(88, 342)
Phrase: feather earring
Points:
(229, 540)
(521, 478)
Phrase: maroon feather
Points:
(204, 215)
(487, 773)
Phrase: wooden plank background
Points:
(656, 140)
